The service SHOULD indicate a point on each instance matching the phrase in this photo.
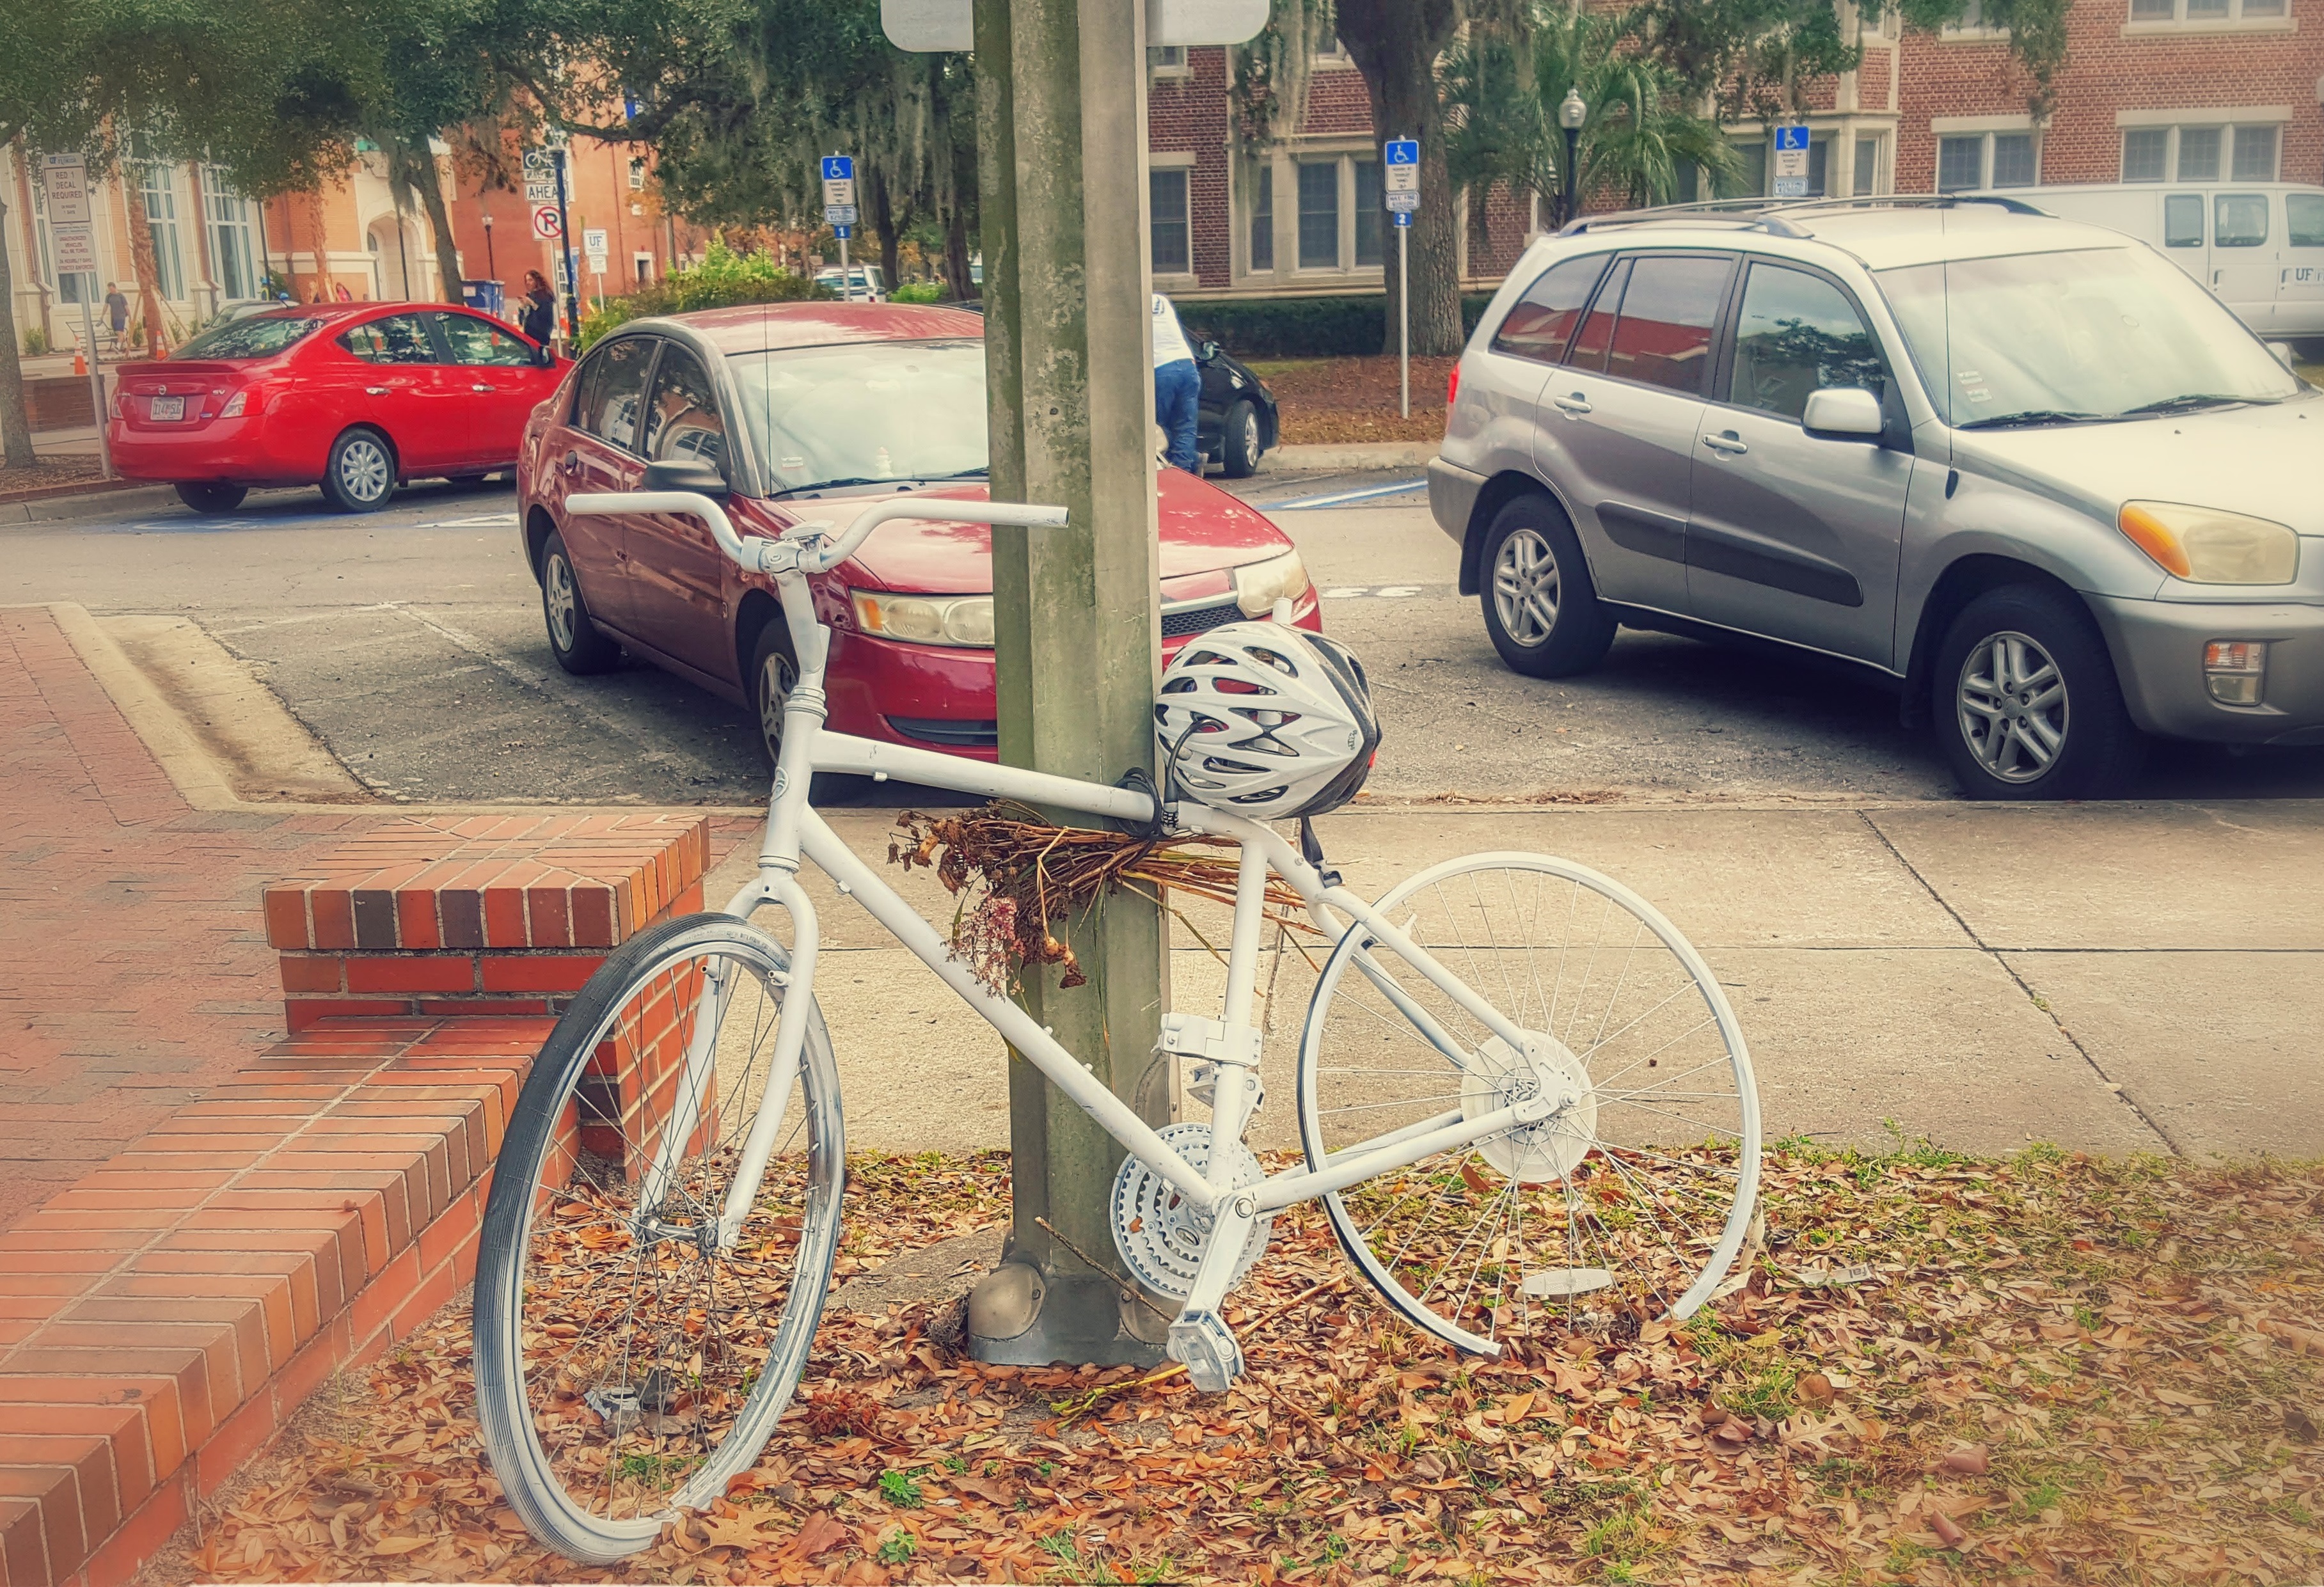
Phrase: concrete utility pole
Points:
(1061, 112)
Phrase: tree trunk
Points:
(1395, 44)
(15, 425)
(140, 253)
(428, 182)
(883, 222)
(958, 286)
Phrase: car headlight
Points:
(1260, 585)
(926, 620)
(2204, 546)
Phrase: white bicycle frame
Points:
(794, 833)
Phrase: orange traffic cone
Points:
(80, 362)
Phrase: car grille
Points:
(1189, 620)
(948, 730)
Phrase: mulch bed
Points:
(2050, 1368)
(52, 477)
(1346, 401)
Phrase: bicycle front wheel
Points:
(1630, 1201)
(629, 1360)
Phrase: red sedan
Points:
(357, 397)
(809, 410)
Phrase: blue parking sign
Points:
(1402, 151)
(839, 168)
(1789, 138)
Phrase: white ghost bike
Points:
(1519, 1091)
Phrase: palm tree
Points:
(1503, 86)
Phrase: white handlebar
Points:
(808, 546)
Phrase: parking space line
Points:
(1301, 503)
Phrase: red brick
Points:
(311, 973)
(304, 1012)
(540, 971)
(334, 920)
(89, 1459)
(440, 973)
(117, 1560)
(415, 918)
(42, 1540)
(129, 1451)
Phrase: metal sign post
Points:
(1401, 170)
(839, 212)
(72, 238)
(593, 245)
(1792, 162)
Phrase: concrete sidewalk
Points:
(2106, 977)
(2109, 977)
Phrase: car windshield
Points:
(259, 336)
(866, 411)
(2082, 334)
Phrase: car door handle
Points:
(1576, 403)
(1728, 443)
(479, 386)
(375, 390)
(572, 463)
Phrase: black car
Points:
(1237, 420)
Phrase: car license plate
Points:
(168, 408)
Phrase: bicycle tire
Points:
(530, 1378)
(1607, 1190)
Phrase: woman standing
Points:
(537, 319)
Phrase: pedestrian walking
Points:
(1178, 387)
(339, 290)
(116, 313)
(537, 319)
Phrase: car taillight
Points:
(1453, 387)
(247, 403)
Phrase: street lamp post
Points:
(491, 268)
(1571, 114)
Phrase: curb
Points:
(1378, 455)
(84, 502)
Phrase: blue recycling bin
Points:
(484, 296)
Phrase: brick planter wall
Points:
(161, 1318)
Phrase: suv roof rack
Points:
(1770, 215)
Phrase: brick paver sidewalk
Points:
(134, 971)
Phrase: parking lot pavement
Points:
(410, 643)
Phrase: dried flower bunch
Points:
(1017, 874)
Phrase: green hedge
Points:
(1302, 327)
(723, 278)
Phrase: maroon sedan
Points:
(356, 397)
(810, 411)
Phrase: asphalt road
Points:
(410, 643)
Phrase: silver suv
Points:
(2021, 468)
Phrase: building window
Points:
(2244, 153)
(1168, 59)
(1262, 219)
(642, 265)
(1319, 214)
(1369, 213)
(637, 173)
(1167, 198)
(1969, 161)
(2206, 11)
(1866, 175)
(158, 185)
(234, 253)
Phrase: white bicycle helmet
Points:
(1266, 720)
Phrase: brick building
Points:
(213, 247)
(2153, 90)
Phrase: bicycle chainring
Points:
(1159, 1234)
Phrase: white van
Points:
(2259, 246)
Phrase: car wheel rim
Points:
(1525, 587)
(2013, 707)
(362, 471)
(1250, 435)
(564, 602)
(775, 676)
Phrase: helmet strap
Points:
(1139, 779)
(1311, 849)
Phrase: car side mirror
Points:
(1842, 413)
(546, 354)
(1207, 350)
(685, 473)
(2282, 351)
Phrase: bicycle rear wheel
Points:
(1631, 1201)
(627, 1362)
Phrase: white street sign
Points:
(540, 189)
(1400, 175)
(537, 164)
(547, 223)
(593, 241)
(839, 215)
(1791, 161)
(67, 184)
(74, 249)
(930, 26)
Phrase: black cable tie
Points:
(1137, 780)
(1311, 849)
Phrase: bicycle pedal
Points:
(1204, 1344)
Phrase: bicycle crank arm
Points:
(1200, 1341)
